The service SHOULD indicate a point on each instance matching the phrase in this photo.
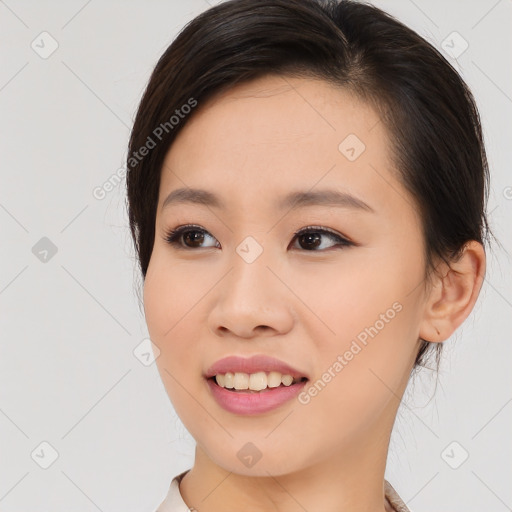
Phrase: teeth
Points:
(254, 381)
(221, 380)
(273, 379)
(287, 380)
(241, 381)
(228, 380)
(257, 381)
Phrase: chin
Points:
(262, 464)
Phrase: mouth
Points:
(259, 382)
(255, 374)
(252, 394)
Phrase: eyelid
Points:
(342, 240)
(324, 230)
(172, 236)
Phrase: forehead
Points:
(274, 109)
(278, 133)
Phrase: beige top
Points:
(174, 501)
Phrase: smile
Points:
(253, 385)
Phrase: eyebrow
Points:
(291, 201)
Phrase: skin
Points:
(301, 304)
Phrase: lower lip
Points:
(240, 402)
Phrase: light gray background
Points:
(70, 325)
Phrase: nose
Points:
(251, 301)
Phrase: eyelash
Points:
(173, 237)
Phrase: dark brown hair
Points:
(428, 110)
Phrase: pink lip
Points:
(250, 403)
(258, 363)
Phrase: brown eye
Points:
(188, 237)
(310, 238)
(193, 238)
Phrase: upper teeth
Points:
(254, 381)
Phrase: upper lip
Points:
(254, 364)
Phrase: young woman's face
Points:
(342, 304)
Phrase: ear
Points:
(453, 294)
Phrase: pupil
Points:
(311, 238)
(194, 239)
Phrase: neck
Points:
(350, 477)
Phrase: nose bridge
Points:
(251, 296)
(250, 281)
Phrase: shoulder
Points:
(173, 501)
(393, 499)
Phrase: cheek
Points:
(170, 295)
(344, 300)
(362, 374)
(171, 303)
(372, 338)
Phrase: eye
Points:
(189, 233)
(191, 236)
(311, 238)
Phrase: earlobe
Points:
(454, 294)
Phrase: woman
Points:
(307, 184)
